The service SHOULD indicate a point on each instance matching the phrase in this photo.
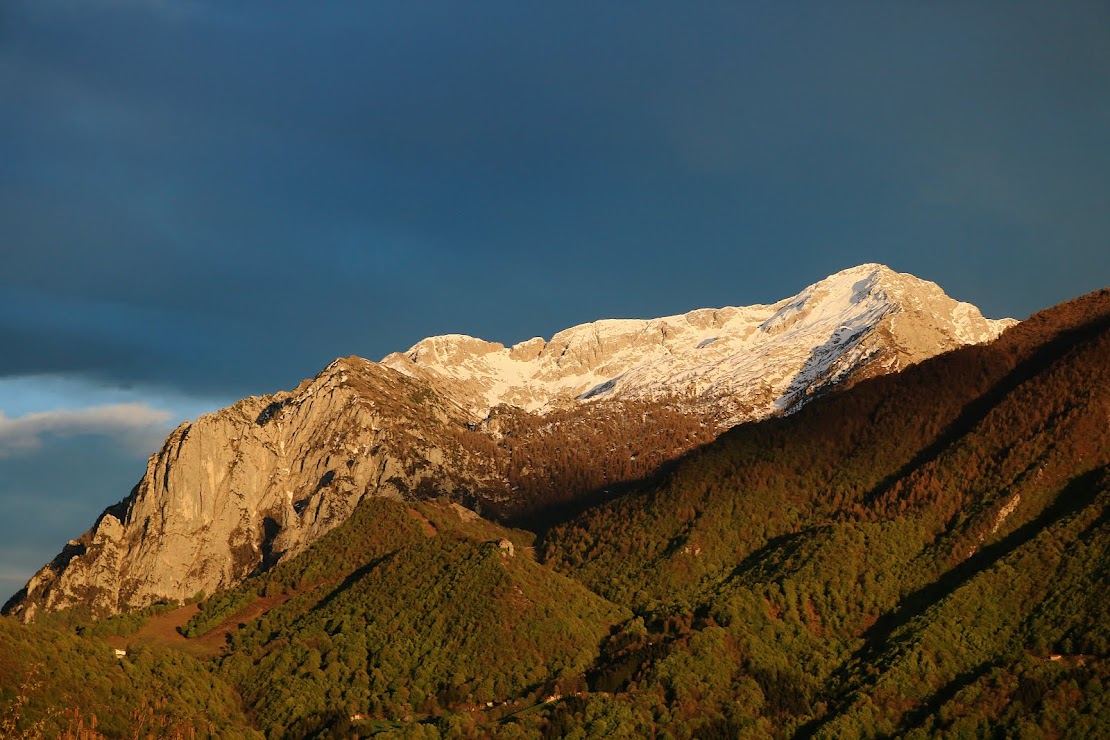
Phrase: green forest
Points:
(925, 554)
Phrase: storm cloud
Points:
(276, 184)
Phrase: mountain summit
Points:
(740, 362)
(506, 429)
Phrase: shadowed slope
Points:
(915, 542)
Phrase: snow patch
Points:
(745, 361)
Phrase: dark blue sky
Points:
(203, 200)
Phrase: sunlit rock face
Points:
(745, 363)
(240, 489)
(244, 487)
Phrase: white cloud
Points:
(133, 423)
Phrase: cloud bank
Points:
(132, 423)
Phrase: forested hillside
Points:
(925, 554)
(911, 554)
(435, 612)
(54, 683)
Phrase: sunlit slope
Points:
(57, 684)
(409, 609)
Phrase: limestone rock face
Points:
(240, 489)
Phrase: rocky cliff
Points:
(239, 489)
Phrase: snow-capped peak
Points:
(745, 362)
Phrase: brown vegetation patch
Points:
(425, 523)
(161, 630)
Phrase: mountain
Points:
(509, 431)
(738, 363)
(925, 554)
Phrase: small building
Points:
(120, 653)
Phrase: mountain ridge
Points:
(240, 489)
(752, 360)
(924, 554)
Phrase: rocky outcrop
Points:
(238, 490)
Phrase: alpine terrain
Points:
(238, 490)
(920, 553)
